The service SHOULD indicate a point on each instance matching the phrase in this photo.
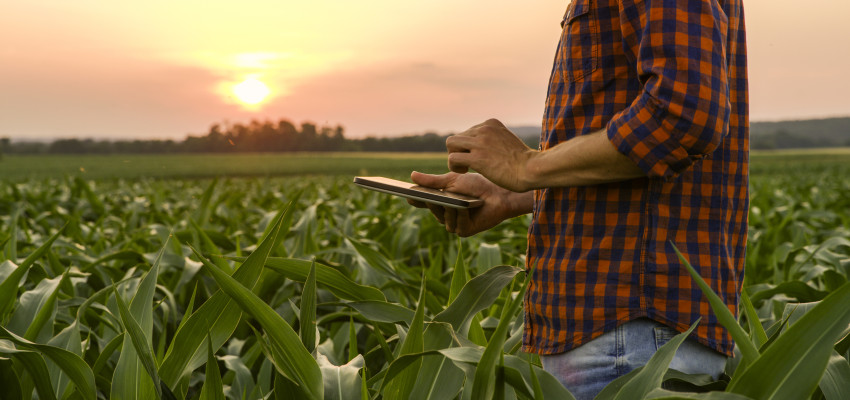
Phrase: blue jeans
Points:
(585, 370)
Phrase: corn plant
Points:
(293, 288)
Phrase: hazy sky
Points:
(165, 69)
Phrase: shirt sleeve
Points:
(682, 113)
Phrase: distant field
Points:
(191, 166)
(188, 166)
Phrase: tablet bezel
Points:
(416, 192)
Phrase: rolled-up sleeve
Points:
(679, 50)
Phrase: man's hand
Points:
(494, 151)
(499, 204)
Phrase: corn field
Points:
(314, 289)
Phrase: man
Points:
(644, 147)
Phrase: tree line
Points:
(255, 136)
(284, 136)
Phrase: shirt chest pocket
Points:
(579, 52)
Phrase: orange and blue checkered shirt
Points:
(667, 81)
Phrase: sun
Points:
(251, 91)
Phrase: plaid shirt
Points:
(667, 81)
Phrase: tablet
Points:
(416, 192)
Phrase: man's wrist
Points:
(518, 203)
(529, 174)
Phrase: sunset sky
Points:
(165, 69)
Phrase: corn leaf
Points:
(329, 278)
(33, 317)
(792, 366)
(459, 274)
(651, 375)
(341, 382)
(34, 365)
(290, 356)
(483, 385)
(414, 342)
(477, 294)
(71, 364)
(9, 286)
(757, 333)
(382, 311)
(129, 381)
(212, 389)
(10, 381)
(217, 317)
(308, 311)
(663, 394)
(835, 383)
(724, 316)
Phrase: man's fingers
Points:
(451, 219)
(460, 162)
(494, 123)
(464, 223)
(438, 211)
(461, 144)
(417, 204)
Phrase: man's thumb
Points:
(431, 181)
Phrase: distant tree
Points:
(307, 138)
(5, 145)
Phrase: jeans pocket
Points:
(663, 334)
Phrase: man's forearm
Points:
(584, 160)
(520, 203)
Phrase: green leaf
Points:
(682, 382)
(106, 352)
(129, 256)
(34, 365)
(438, 378)
(535, 383)
(835, 383)
(652, 374)
(757, 332)
(68, 339)
(794, 289)
(369, 260)
(141, 348)
(9, 286)
(414, 342)
(459, 274)
(71, 364)
(724, 316)
(339, 284)
(341, 382)
(202, 212)
(308, 311)
(352, 340)
(793, 365)
(662, 394)
(483, 386)
(10, 381)
(479, 293)
(489, 255)
(129, 382)
(35, 311)
(289, 355)
(212, 389)
(218, 316)
(10, 245)
(515, 367)
(382, 311)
